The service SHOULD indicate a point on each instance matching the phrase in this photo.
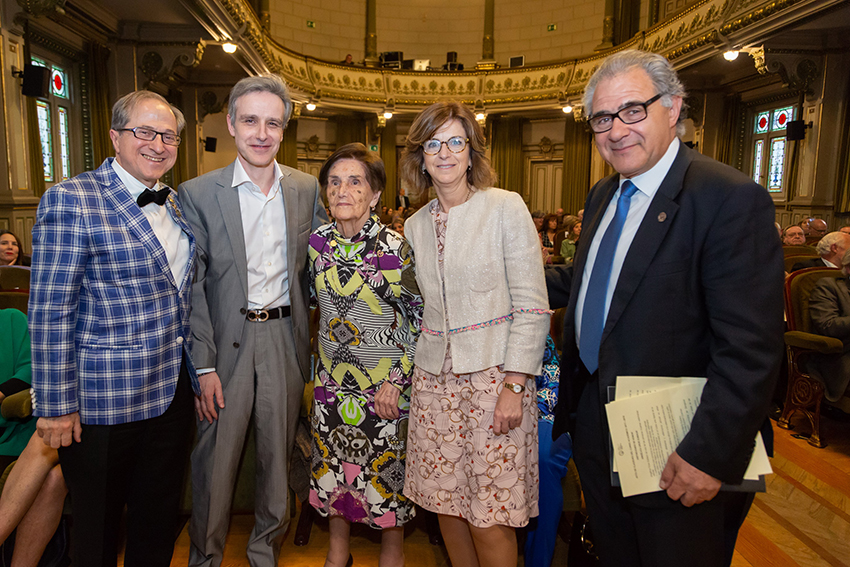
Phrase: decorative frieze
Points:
(696, 33)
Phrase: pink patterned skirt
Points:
(455, 464)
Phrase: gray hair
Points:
(268, 83)
(824, 244)
(124, 107)
(662, 74)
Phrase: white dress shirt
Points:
(647, 186)
(264, 227)
(174, 241)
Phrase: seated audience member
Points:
(554, 457)
(830, 248)
(34, 493)
(537, 217)
(845, 229)
(10, 250)
(829, 306)
(779, 230)
(398, 226)
(817, 228)
(793, 236)
(580, 214)
(572, 227)
(549, 232)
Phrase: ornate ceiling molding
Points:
(701, 31)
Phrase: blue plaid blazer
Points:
(109, 324)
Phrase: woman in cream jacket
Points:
(472, 444)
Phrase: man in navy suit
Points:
(112, 269)
(678, 273)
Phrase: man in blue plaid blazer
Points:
(113, 262)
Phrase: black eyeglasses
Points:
(455, 144)
(149, 135)
(632, 114)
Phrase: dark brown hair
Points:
(376, 176)
(19, 261)
(412, 162)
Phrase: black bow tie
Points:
(148, 196)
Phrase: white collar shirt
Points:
(264, 228)
(647, 186)
(171, 237)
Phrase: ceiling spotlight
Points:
(567, 109)
(730, 55)
(480, 116)
(229, 47)
(388, 115)
(311, 106)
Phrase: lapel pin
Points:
(662, 216)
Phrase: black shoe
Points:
(305, 525)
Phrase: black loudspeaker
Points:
(210, 144)
(451, 57)
(795, 130)
(36, 81)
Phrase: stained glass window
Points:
(781, 118)
(64, 149)
(777, 164)
(46, 139)
(38, 62)
(758, 152)
(762, 122)
(58, 83)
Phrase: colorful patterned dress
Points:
(371, 313)
(457, 465)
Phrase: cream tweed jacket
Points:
(496, 309)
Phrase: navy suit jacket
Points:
(699, 294)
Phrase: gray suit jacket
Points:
(220, 293)
(829, 307)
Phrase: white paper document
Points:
(648, 418)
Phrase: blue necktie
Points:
(593, 315)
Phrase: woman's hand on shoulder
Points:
(386, 401)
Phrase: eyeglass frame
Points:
(614, 115)
(446, 142)
(162, 135)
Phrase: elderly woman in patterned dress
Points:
(472, 446)
(363, 282)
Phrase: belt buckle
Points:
(259, 315)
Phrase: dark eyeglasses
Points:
(149, 135)
(455, 145)
(632, 114)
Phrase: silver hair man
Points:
(660, 72)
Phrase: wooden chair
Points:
(14, 277)
(14, 300)
(800, 249)
(804, 392)
(791, 260)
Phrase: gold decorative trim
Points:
(688, 36)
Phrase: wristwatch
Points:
(515, 388)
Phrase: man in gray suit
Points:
(250, 320)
